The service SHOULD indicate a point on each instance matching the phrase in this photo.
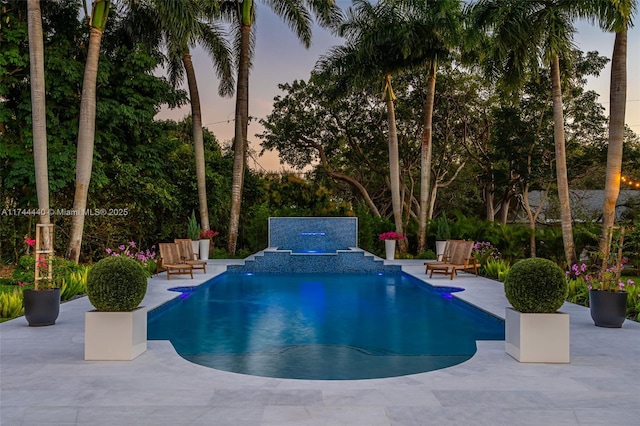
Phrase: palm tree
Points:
(241, 15)
(524, 34)
(437, 24)
(183, 25)
(38, 108)
(87, 126)
(375, 49)
(614, 16)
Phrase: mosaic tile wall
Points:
(311, 245)
(284, 261)
(320, 234)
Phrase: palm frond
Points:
(213, 40)
(328, 14)
(296, 16)
(175, 68)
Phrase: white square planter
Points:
(115, 336)
(537, 337)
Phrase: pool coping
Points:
(44, 379)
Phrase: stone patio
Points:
(45, 380)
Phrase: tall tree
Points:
(322, 128)
(241, 14)
(437, 25)
(183, 25)
(377, 46)
(38, 110)
(87, 125)
(614, 15)
(524, 35)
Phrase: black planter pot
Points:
(41, 307)
(608, 308)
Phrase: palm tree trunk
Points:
(198, 143)
(86, 137)
(240, 138)
(38, 108)
(87, 126)
(561, 164)
(425, 157)
(617, 105)
(394, 158)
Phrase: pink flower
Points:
(109, 251)
(208, 234)
(132, 244)
(21, 284)
(30, 242)
(391, 236)
(121, 247)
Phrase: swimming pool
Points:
(331, 327)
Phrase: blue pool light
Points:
(185, 289)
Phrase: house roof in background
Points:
(586, 204)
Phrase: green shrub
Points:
(74, 284)
(242, 253)
(193, 229)
(496, 269)
(24, 270)
(578, 291)
(442, 228)
(11, 304)
(429, 254)
(536, 286)
(633, 302)
(404, 256)
(116, 284)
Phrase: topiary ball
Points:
(536, 286)
(116, 284)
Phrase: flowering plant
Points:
(41, 264)
(484, 251)
(391, 236)
(146, 258)
(607, 280)
(208, 234)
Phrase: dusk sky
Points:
(281, 58)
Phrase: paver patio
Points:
(44, 379)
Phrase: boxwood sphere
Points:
(536, 286)
(116, 284)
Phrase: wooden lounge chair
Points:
(185, 249)
(450, 246)
(170, 261)
(461, 260)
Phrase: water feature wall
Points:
(313, 245)
(313, 234)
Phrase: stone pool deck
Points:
(44, 379)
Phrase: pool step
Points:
(352, 261)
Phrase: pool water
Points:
(327, 327)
